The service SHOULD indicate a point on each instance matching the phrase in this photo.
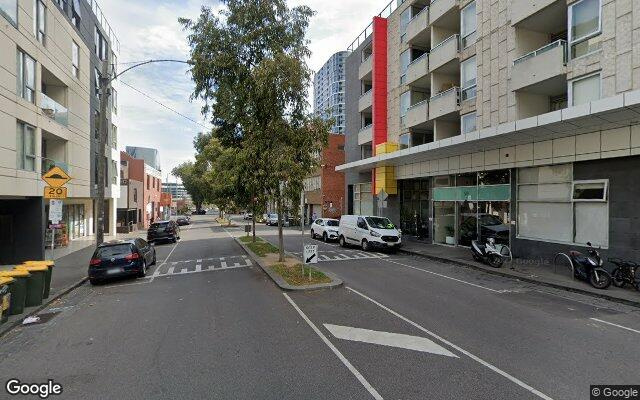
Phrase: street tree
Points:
(192, 176)
(249, 66)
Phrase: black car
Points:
(181, 221)
(121, 258)
(163, 230)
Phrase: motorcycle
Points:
(626, 272)
(487, 253)
(589, 268)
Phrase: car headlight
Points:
(374, 234)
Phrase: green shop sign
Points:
(473, 193)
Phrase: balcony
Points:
(444, 52)
(548, 16)
(54, 110)
(418, 72)
(418, 28)
(444, 103)
(541, 67)
(365, 102)
(365, 135)
(365, 69)
(417, 115)
(444, 12)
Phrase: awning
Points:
(608, 113)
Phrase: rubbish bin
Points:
(49, 264)
(18, 289)
(5, 298)
(35, 283)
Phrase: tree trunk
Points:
(280, 236)
(253, 220)
(102, 144)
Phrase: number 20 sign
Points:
(55, 192)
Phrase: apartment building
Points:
(177, 190)
(328, 89)
(44, 119)
(512, 119)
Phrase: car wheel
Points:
(143, 273)
(174, 239)
(342, 242)
(313, 234)
(325, 238)
(94, 282)
(154, 257)
(365, 245)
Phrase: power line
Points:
(163, 105)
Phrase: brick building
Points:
(324, 190)
(141, 187)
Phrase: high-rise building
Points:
(176, 190)
(328, 85)
(515, 119)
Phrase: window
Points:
(135, 195)
(148, 182)
(468, 74)
(114, 100)
(26, 77)
(114, 137)
(405, 18)
(40, 21)
(404, 141)
(75, 59)
(9, 10)
(405, 103)
(468, 123)
(468, 24)
(584, 89)
(101, 44)
(75, 13)
(405, 60)
(26, 147)
(97, 83)
(585, 24)
(590, 190)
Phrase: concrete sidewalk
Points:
(535, 271)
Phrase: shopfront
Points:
(414, 208)
(473, 206)
(74, 225)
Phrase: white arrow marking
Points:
(388, 339)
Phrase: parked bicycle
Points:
(626, 272)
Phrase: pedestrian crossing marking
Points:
(201, 265)
(328, 256)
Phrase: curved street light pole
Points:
(105, 91)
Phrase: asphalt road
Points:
(207, 323)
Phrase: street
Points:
(208, 323)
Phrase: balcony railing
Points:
(444, 103)
(388, 10)
(54, 110)
(48, 163)
(544, 49)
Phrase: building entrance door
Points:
(414, 208)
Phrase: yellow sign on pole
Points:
(55, 192)
(56, 177)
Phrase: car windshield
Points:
(273, 215)
(113, 251)
(490, 220)
(380, 223)
(160, 225)
(333, 223)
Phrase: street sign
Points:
(382, 199)
(56, 177)
(55, 192)
(55, 211)
(310, 254)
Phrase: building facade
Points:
(176, 190)
(511, 119)
(324, 190)
(142, 188)
(45, 100)
(328, 87)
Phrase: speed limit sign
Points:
(55, 192)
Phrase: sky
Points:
(149, 29)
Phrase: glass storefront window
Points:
(467, 179)
(493, 221)
(497, 177)
(444, 222)
(467, 222)
(414, 212)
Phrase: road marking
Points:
(198, 267)
(223, 264)
(171, 269)
(374, 393)
(459, 349)
(408, 342)
(157, 271)
(445, 276)
(616, 325)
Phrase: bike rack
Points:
(555, 264)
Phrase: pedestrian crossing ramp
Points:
(202, 265)
(333, 255)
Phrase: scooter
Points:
(589, 268)
(487, 253)
(626, 272)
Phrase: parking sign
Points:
(310, 254)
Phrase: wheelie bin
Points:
(35, 283)
(49, 264)
(5, 298)
(18, 289)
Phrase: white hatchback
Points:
(325, 228)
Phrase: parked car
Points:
(368, 232)
(272, 219)
(248, 217)
(163, 230)
(182, 221)
(120, 258)
(325, 228)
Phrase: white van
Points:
(368, 232)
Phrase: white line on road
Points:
(461, 350)
(390, 339)
(444, 276)
(374, 393)
(616, 325)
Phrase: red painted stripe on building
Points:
(379, 95)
